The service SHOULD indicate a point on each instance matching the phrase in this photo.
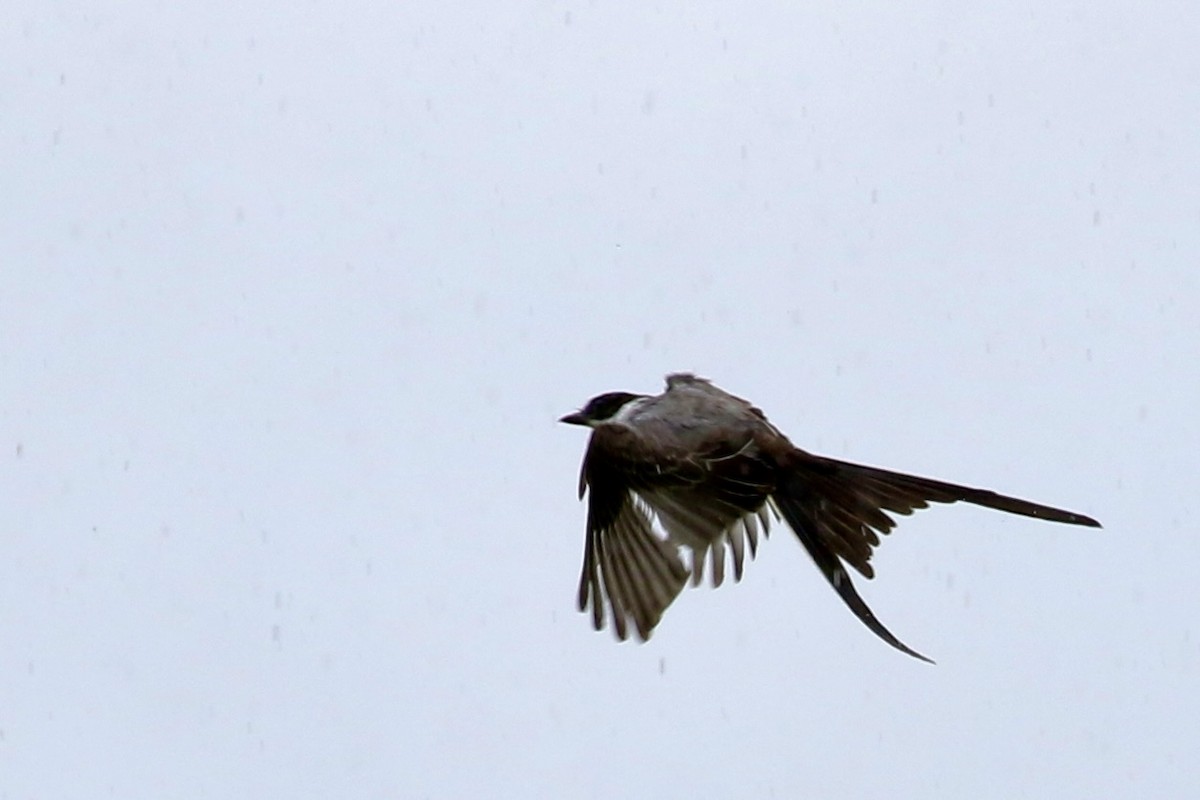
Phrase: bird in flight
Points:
(712, 471)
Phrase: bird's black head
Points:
(600, 408)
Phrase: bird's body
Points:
(713, 471)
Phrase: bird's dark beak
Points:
(574, 419)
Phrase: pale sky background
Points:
(291, 297)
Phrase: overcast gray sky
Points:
(291, 297)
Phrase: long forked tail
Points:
(798, 512)
(902, 488)
(838, 510)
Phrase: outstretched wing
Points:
(712, 499)
(625, 564)
(709, 496)
(838, 510)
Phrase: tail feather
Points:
(837, 510)
(941, 492)
(796, 504)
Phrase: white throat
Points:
(627, 411)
